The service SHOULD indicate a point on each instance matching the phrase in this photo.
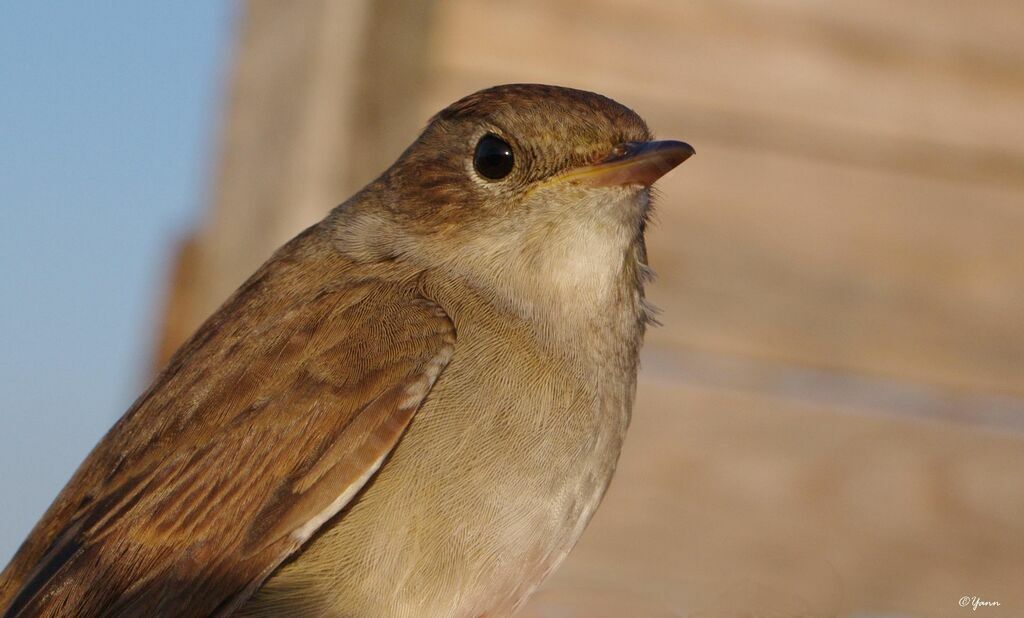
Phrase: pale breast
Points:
(489, 489)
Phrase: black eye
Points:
(493, 158)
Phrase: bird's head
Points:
(520, 186)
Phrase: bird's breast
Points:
(490, 487)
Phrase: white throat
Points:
(570, 269)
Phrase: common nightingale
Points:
(411, 410)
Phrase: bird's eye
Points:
(493, 158)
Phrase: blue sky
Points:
(109, 121)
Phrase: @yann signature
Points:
(975, 602)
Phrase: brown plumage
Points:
(412, 409)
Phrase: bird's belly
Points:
(484, 496)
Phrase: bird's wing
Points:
(262, 428)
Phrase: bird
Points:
(412, 409)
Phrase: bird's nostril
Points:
(619, 151)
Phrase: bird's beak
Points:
(639, 163)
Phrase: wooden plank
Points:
(730, 504)
(835, 64)
(284, 133)
(774, 257)
(833, 389)
(824, 221)
(392, 78)
(319, 104)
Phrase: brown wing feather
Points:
(261, 428)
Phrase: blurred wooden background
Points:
(831, 420)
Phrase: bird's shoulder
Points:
(260, 428)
